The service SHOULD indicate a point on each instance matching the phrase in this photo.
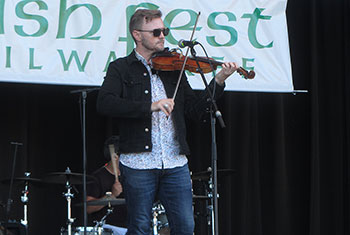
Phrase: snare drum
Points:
(89, 231)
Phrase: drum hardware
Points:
(69, 197)
(26, 180)
(68, 179)
(201, 197)
(106, 202)
(99, 224)
(89, 231)
(160, 225)
(24, 200)
(98, 229)
(206, 176)
(209, 214)
(61, 178)
(155, 222)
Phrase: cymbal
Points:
(106, 201)
(62, 177)
(22, 180)
(205, 175)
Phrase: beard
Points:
(155, 47)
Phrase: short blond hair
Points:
(140, 16)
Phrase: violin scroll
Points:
(246, 74)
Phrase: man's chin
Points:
(160, 48)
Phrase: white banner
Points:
(73, 41)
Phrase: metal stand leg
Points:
(99, 224)
(25, 199)
(69, 197)
(155, 221)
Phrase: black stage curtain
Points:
(290, 152)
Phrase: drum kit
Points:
(160, 225)
(69, 179)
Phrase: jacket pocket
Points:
(133, 89)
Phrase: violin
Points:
(170, 60)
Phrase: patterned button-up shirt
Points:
(165, 150)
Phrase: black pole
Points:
(83, 97)
(214, 173)
(9, 200)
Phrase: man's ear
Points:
(137, 35)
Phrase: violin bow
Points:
(186, 56)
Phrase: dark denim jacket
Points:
(126, 94)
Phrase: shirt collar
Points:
(142, 59)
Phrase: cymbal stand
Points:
(155, 221)
(25, 199)
(69, 195)
(82, 101)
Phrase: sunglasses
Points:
(156, 32)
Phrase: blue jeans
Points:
(171, 186)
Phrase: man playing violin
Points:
(153, 145)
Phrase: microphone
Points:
(184, 43)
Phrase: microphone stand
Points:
(9, 200)
(83, 98)
(9, 222)
(213, 110)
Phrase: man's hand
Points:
(165, 105)
(228, 68)
(117, 189)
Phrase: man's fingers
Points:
(167, 106)
(165, 109)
